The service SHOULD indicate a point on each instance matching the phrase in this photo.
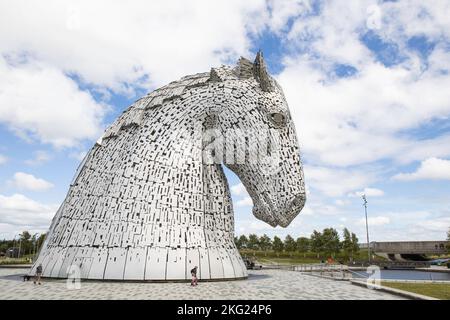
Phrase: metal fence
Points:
(393, 264)
(335, 271)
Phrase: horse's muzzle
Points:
(292, 209)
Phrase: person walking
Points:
(38, 275)
(194, 280)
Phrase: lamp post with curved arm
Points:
(367, 226)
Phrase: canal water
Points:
(406, 275)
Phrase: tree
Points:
(253, 242)
(265, 243)
(316, 243)
(448, 239)
(243, 242)
(277, 245)
(347, 244)
(355, 245)
(28, 244)
(25, 243)
(302, 245)
(331, 243)
(237, 243)
(289, 244)
(25, 236)
(350, 244)
(5, 245)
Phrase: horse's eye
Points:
(278, 119)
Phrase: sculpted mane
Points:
(157, 98)
(243, 71)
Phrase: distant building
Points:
(364, 245)
(408, 250)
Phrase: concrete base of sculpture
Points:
(149, 280)
(106, 264)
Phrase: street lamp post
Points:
(20, 247)
(35, 246)
(367, 226)
(14, 246)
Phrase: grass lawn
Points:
(7, 261)
(284, 257)
(435, 290)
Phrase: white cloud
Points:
(40, 102)
(3, 159)
(119, 47)
(333, 33)
(342, 121)
(78, 155)
(438, 147)
(253, 226)
(441, 224)
(341, 202)
(432, 168)
(121, 43)
(238, 190)
(375, 221)
(336, 182)
(282, 10)
(39, 158)
(258, 227)
(321, 209)
(406, 226)
(245, 202)
(402, 19)
(25, 181)
(307, 210)
(19, 213)
(369, 192)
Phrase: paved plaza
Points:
(261, 284)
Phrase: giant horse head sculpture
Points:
(150, 200)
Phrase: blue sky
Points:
(367, 84)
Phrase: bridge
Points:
(409, 250)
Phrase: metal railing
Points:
(335, 271)
(393, 264)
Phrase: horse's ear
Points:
(260, 73)
(244, 68)
(214, 75)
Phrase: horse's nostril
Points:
(297, 202)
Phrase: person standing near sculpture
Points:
(194, 280)
(38, 274)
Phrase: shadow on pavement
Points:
(13, 277)
(255, 276)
